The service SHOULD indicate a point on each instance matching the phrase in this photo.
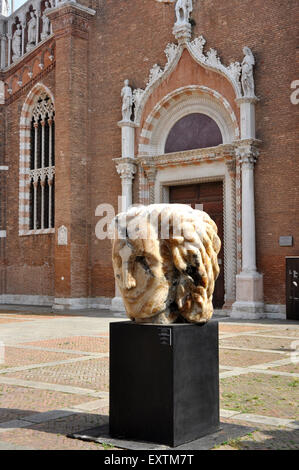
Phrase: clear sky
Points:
(18, 3)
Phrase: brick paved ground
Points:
(54, 379)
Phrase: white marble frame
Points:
(207, 172)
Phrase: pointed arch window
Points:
(42, 165)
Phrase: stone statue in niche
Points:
(127, 96)
(247, 73)
(31, 31)
(16, 43)
(165, 263)
(183, 8)
(46, 24)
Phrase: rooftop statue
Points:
(127, 96)
(247, 72)
(165, 263)
(16, 43)
(31, 30)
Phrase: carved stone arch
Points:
(24, 159)
(208, 61)
(180, 103)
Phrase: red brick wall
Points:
(126, 39)
(29, 259)
(131, 37)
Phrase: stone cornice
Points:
(127, 124)
(245, 99)
(248, 142)
(190, 157)
(70, 18)
(72, 6)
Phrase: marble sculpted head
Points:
(165, 263)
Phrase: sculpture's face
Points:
(139, 272)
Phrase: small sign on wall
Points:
(286, 241)
(62, 235)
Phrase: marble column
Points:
(249, 292)
(230, 252)
(126, 168)
(247, 114)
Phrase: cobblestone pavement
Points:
(54, 379)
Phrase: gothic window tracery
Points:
(42, 164)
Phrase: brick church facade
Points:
(202, 130)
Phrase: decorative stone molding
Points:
(173, 53)
(179, 103)
(231, 167)
(247, 153)
(25, 73)
(32, 107)
(189, 157)
(211, 61)
(126, 168)
(42, 174)
(150, 172)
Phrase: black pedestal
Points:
(164, 382)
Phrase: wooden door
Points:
(210, 195)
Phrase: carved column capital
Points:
(247, 155)
(126, 170)
(150, 173)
